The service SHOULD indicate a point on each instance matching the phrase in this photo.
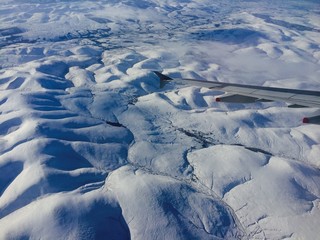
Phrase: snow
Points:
(92, 148)
(280, 191)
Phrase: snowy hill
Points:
(92, 148)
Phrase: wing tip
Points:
(163, 78)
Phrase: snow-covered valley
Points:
(92, 148)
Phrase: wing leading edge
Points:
(249, 93)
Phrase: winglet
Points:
(163, 79)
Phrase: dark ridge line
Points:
(115, 124)
(208, 141)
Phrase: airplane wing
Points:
(242, 93)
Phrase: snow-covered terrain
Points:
(92, 148)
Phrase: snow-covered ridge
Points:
(92, 148)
